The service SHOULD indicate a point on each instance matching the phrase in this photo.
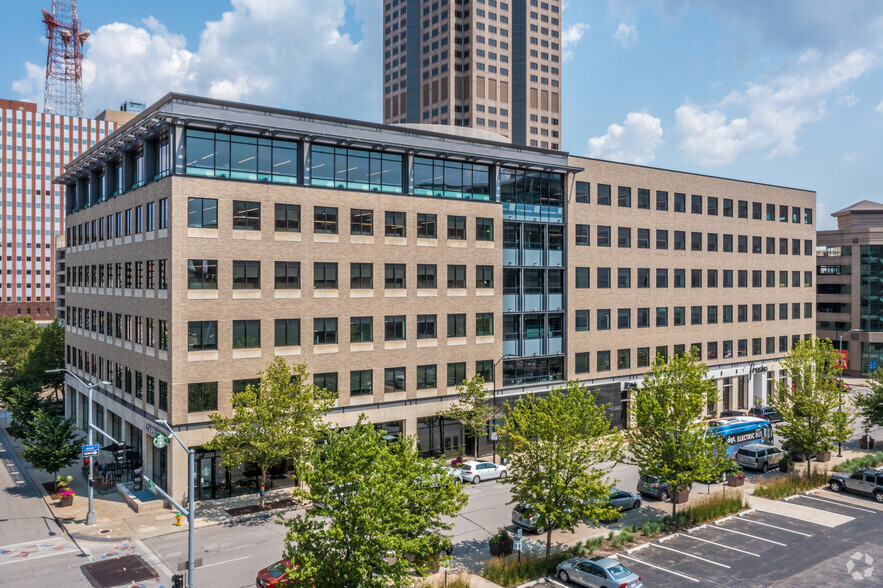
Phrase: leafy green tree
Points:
(18, 335)
(561, 449)
(870, 404)
(279, 418)
(472, 409)
(53, 443)
(382, 511)
(47, 354)
(668, 439)
(24, 405)
(811, 403)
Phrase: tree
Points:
(383, 511)
(561, 449)
(24, 405)
(279, 418)
(472, 408)
(18, 335)
(810, 404)
(53, 443)
(870, 404)
(47, 354)
(669, 440)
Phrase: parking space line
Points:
(747, 520)
(720, 545)
(747, 535)
(848, 499)
(690, 555)
(655, 567)
(840, 503)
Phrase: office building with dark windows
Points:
(204, 237)
(850, 286)
(486, 64)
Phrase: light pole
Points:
(191, 471)
(90, 516)
(494, 416)
(840, 377)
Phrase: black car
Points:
(766, 412)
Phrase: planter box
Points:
(680, 497)
(823, 456)
(786, 467)
(866, 442)
(735, 481)
(66, 500)
(501, 547)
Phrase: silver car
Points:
(476, 471)
(624, 500)
(758, 456)
(598, 572)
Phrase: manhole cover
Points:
(115, 572)
(102, 531)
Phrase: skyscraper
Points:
(485, 64)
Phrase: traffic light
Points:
(177, 581)
(86, 463)
(120, 453)
(138, 479)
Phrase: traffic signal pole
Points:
(190, 510)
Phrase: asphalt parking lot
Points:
(761, 548)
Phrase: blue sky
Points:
(787, 92)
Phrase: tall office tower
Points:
(485, 64)
(34, 148)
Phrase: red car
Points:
(270, 576)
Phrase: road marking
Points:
(690, 555)
(773, 526)
(721, 545)
(217, 563)
(153, 558)
(655, 567)
(849, 499)
(840, 503)
(748, 535)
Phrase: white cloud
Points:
(773, 112)
(880, 107)
(633, 142)
(571, 37)
(847, 100)
(30, 88)
(289, 53)
(626, 35)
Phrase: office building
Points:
(34, 148)
(486, 64)
(204, 237)
(850, 286)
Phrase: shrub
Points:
(508, 571)
(871, 460)
(652, 528)
(627, 535)
(791, 484)
(459, 581)
(502, 534)
(587, 548)
(711, 507)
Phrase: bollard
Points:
(178, 516)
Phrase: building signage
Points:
(160, 440)
(90, 448)
(752, 435)
(758, 369)
(151, 430)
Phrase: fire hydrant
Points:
(178, 516)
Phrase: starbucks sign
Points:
(160, 440)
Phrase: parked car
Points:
(273, 575)
(523, 517)
(766, 412)
(864, 481)
(759, 456)
(732, 413)
(597, 572)
(455, 472)
(476, 471)
(651, 486)
(624, 500)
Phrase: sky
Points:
(788, 92)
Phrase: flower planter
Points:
(823, 456)
(680, 497)
(735, 481)
(66, 500)
(866, 442)
(501, 547)
(786, 466)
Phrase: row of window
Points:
(132, 221)
(713, 241)
(678, 316)
(203, 335)
(712, 278)
(153, 391)
(135, 329)
(147, 274)
(709, 205)
(713, 351)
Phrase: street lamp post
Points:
(494, 416)
(191, 474)
(840, 377)
(90, 516)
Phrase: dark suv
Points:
(766, 412)
(864, 481)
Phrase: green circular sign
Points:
(160, 440)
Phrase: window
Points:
(484, 324)
(679, 316)
(695, 278)
(728, 243)
(624, 197)
(603, 361)
(326, 381)
(582, 192)
(426, 377)
(695, 241)
(711, 315)
(661, 239)
(456, 326)
(202, 213)
(661, 200)
(394, 328)
(426, 226)
(484, 229)
(426, 276)
(623, 359)
(456, 276)
(582, 235)
(287, 275)
(246, 216)
(202, 336)
(394, 380)
(325, 220)
(661, 316)
(770, 212)
(680, 278)
(643, 238)
(324, 275)
(581, 320)
(712, 206)
(454, 179)
(484, 276)
(240, 157)
(624, 318)
(325, 331)
(582, 277)
(604, 194)
(361, 329)
(581, 363)
(202, 274)
(201, 397)
(728, 313)
(643, 277)
(361, 276)
(287, 332)
(624, 277)
(756, 211)
(680, 241)
(456, 228)
(246, 334)
(661, 277)
(603, 239)
(742, 313)
(395, 224)
(624, 237)
(287, 218)
(361, 382)
(743, 209)
(696, 204)
(680, 202)
(426, 326)
(644, 198)
(456, 373)
(603, 280)
(163, 215)
(361, 222)
(602, 318)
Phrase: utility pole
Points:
(840, 376)
(494, 416)
(190, 510)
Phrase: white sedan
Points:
(476, 471)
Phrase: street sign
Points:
(872, 365)
(160, 440)
(90, 448)
(495, 436)
(90, 453)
